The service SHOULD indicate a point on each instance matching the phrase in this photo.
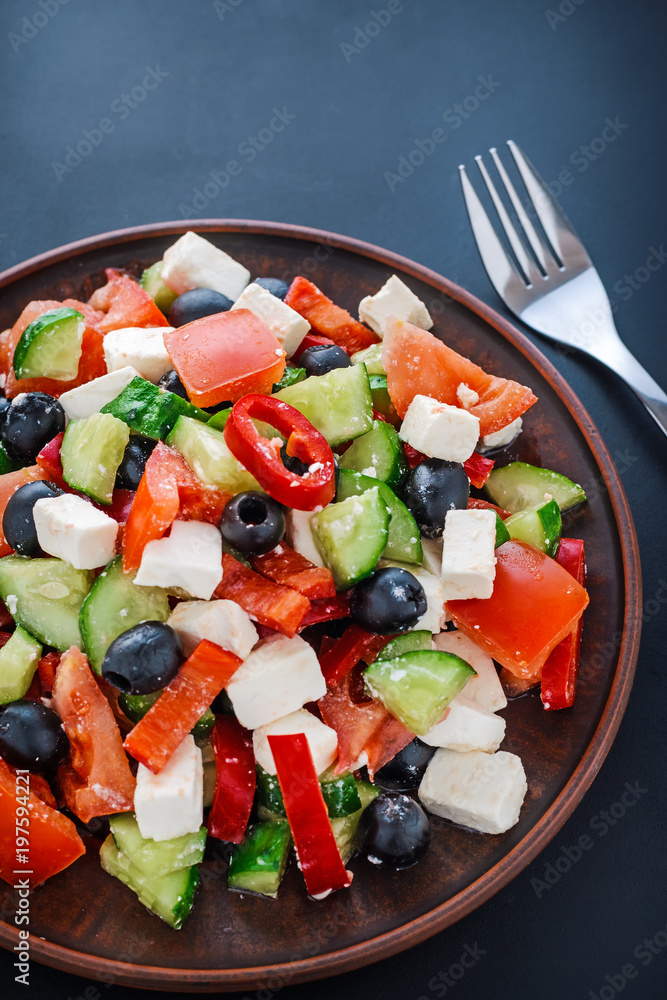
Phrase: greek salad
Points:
(266, 580)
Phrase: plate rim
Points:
(468, 899)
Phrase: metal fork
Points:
(552, 285)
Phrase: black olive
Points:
(431, 489)
(394, 831)
(171, 381)
(137, 452)
(32, 737)
(293, 463)
(18, 522)
(30, 423)
(4, 407)
(196, 304)
(323, 358)
(404, 772)
(274, 285)
(253, 523)
(389, 600)
(143, 659)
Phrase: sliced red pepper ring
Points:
(158, 735)
(235, 780)
(478, 469)
(284, 565)
(559, 673)
(261, 457)
(355, 644)
(327, 609)
(268, 603)
(319, 857)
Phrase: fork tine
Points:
(555, 223)
(529, 229)
(499, 267)
(525, 263)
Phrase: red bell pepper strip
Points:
(268, 603)
(49, 460)
(328, 609)
(474, 503)
(317, 850)
(235, 780)
(261, 457)
(312, 340)
(160, 732)
(125, 303)
(328, 319)
(478, 469)
(284, 565)
(559, 674)
(355, 644)
(46, 670)
(52, 842)
(413, 456)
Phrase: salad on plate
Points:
(260, 564)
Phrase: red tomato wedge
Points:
(355, 644)
(328, 319)
(46, 671)
(535, 603)
(559, 674)
(125, 303)
(9, 484)
(364, 727)
(284, 565)
(416, 362)
(478, 469)
(158, 735)
(225, 356)
(235, 780)
(51, 839)
(268, 603)
(95, 780)
(474, 503)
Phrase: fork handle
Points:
(615, 355)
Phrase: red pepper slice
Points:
(158, 735)
(328, 319)
(49, 460)
(312, 340)
(235, 780)
(478, 469)
(474, 503)
(269, 603)
(46, 671)
(413, 456)
(559, 674)
(284, 565)
(319, 857)
(261, 457)
(355, 644)
(328, 609)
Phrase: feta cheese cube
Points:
(140, 347)
(190, 558)
(300, 537)
(435, 615)
(485, 689)
(284, 322)
(466, 396)
(482, 791)
(468, 560)
(440, 430)
(193, 262)
(171, 803)
(504, 436)
(393, 299)
(70, 528)
(322, 740)
(222, 622)
(278, 677)
(467, 726)
(87, 399)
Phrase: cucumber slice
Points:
(372, 358)
(417, 687)
(403, 541)
(170, 897)
(150, 410)
(156, 857)
(502, 534)
(6, 463)
(135, 706)
(290, 376)
(269, 797)
(45, 597)
(219, 419)
(339, 404)
(382, 400)
(351, 535)
(380, 451)
(151, 282)
(113, 606)
(18, 661)
(519, 485)
(340, 793)
(345, 827)
(91, 452)
(540, 525)
(50, 346)
(408, 642)
(206, 452)
(260, 862)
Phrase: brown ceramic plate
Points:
(87, 923)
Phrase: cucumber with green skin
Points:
(382, 400)
(351, 536)
(345, 828)
(260, 861)
(539, 525)
(379, 450)
(502, 534)
(339, 404)
(403, 539)
(50, 346)
(516, 486)
(6, 463)
(151, 282)
(338, 790)
(408, 642)
(372, 358)
(91, 453)
(156, 857)
(135, 706)
(18, 661)
(45, 597)
(149, 410)
(206, 452)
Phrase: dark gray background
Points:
(556, 78)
